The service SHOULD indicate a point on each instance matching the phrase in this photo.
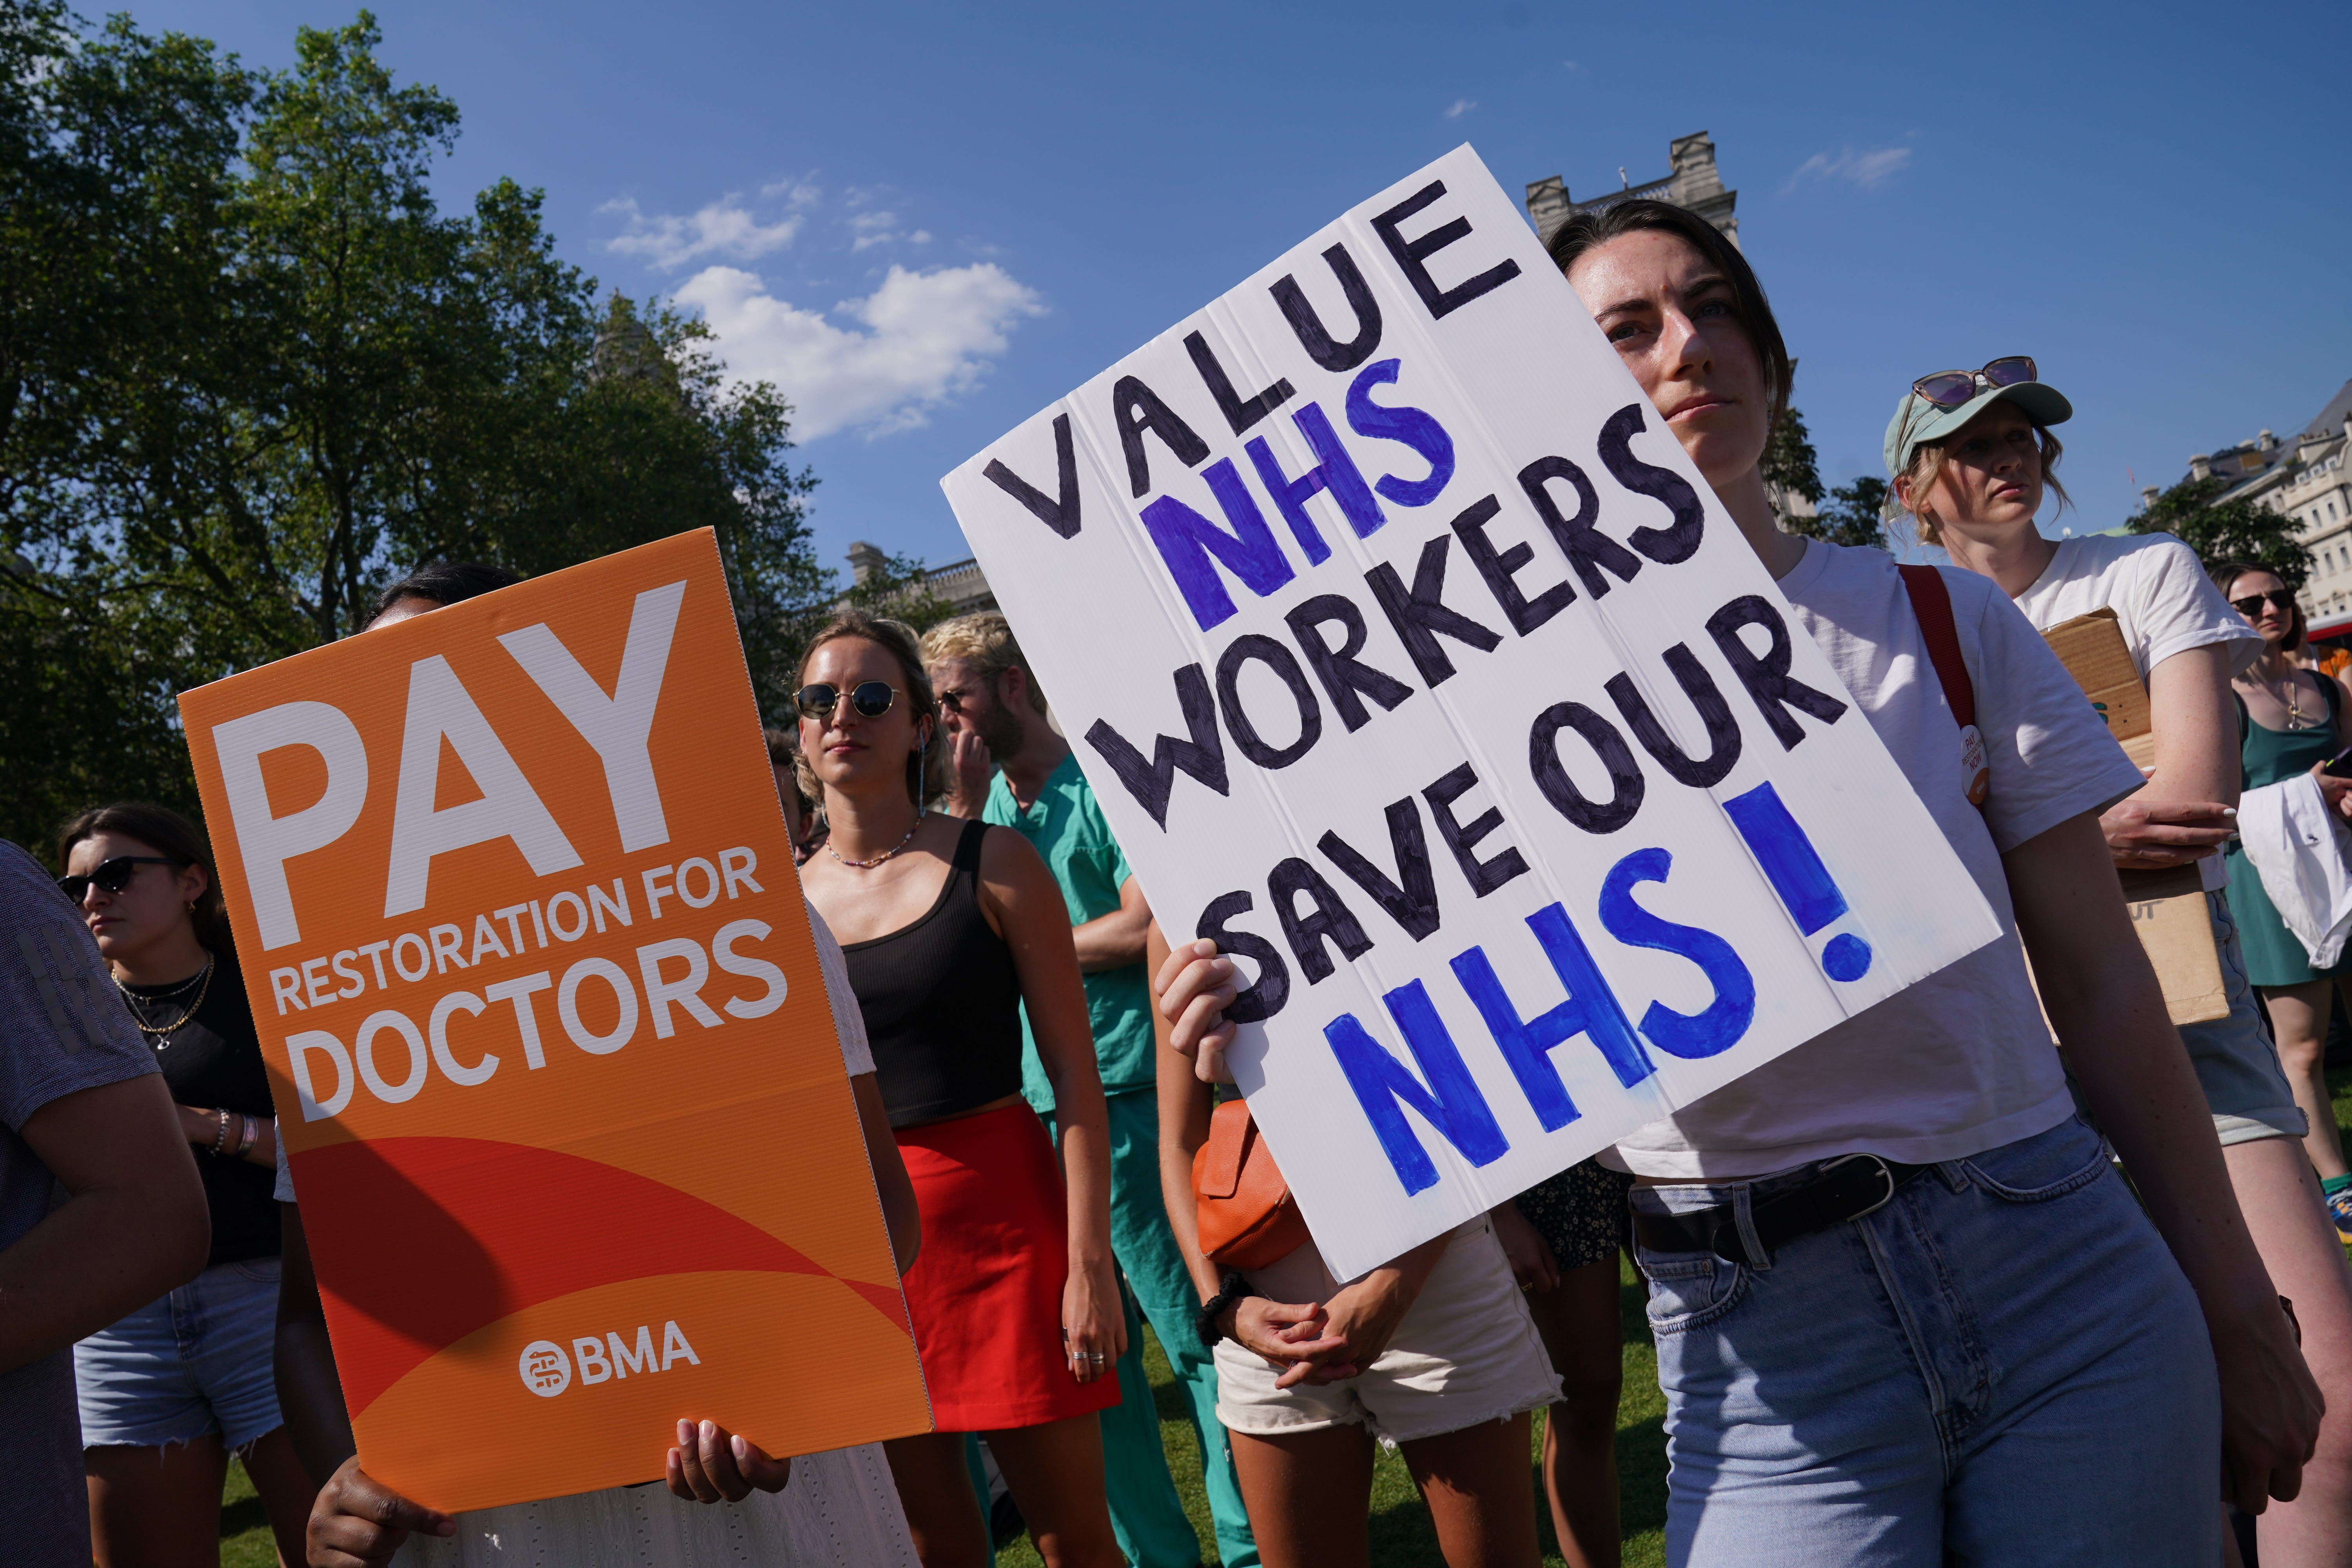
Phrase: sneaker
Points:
(2339, 1209)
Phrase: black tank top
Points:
(942, 1002)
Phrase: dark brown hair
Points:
(2225, 575)
(1588, 229)
(166, 832)
(444, 582)
(926, 767)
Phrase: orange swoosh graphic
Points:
(461, 1232)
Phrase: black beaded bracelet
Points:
(1232, 1288)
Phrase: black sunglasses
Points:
(112, 875)
(1951, 388)
(2252, 605)
(872, 699)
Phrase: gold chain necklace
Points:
(2293, 709)
(165, 1031)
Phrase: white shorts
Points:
(1466, 1353)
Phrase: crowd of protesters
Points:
(1907, 1308)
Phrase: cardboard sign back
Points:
(2168, 907)
(553, 1060)
(2091, 648)
(2169, 916)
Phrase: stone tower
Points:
(1693, 183)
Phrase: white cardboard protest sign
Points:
(1410, 659)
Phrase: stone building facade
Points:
(1693, 183)
(2309, 480)
(959, 584)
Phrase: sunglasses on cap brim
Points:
(1951, 388)
(112, 875)
(869, 698)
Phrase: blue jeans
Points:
(2001, 1367)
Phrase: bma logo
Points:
(546, 1371)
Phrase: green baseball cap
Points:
(1917, 421)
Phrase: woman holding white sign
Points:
(1906, 1311)
(1972, 455)
(952, 928)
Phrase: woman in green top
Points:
(2292, 723)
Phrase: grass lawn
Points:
(245, 1531)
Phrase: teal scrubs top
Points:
(1068, 831)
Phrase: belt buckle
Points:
(1885, 1175)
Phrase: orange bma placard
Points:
(550, 1047)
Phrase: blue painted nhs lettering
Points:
(1194, 547)
(1445, 1094)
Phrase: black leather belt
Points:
(1844, 1189)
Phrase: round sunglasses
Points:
(2281, 599)
(871, 699)
(112, 875)
(1951, 388)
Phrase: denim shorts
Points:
(195, 1363)
(2237, 1063)
(2002, 1365)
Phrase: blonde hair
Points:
(985, 642)
(927, 766)
(1927, 464)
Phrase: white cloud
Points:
(1869, 169)
(797, 192)
(1460, 107)
(880, 229)
(917, 340)
(722, 229)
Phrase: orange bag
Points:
(1246, 1215)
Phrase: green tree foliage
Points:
(249, 371)
(1853, 514)
(1791, 470)
(2226, 531)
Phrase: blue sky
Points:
(925, 222)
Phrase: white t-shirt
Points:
(2164, 605)
(2163, 601)
(840, 1510)
(1962, 1061)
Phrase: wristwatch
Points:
(1232, 1288)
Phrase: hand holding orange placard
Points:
(554, 1061)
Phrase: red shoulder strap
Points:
(1931, 602)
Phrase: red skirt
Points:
(985, 1293)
